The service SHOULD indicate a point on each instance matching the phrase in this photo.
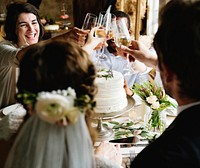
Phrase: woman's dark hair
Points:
(13, 11)
(177, 44)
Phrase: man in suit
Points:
(177, 44)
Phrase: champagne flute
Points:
(123, 37)
(105, 22)
(90, 21)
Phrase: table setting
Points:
(130, 129)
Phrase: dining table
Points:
(130, 124)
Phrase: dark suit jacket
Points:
(177, 147)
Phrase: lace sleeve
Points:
(5, 131)
(9, 125)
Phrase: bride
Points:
(56, 86)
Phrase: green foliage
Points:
(106, 74)
(148, 89)
(27, 97)
(127, 129)
(84, 102)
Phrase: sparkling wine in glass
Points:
(123, 37)
(122, 40)
(104, 24)
(100, 32)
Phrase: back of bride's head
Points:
(56, 65)
(56, 81)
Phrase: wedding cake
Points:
(111, 95)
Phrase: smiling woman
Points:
(27, 29)
(23, 28)
(24, 14)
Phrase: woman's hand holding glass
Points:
(140, 52)
(93, 42)
(100, 31)
(76, 35)
(104, 23)
(136, 65)
(90, 25)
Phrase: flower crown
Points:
(60, 105)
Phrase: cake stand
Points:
(105, 133)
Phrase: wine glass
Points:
(105, 23)
(122, 37)
(90, 21)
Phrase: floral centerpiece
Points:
(155, 97)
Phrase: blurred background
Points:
(69, 13)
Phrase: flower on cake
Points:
(105, 74)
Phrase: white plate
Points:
(14, 108)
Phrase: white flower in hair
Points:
(57, 105)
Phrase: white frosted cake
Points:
(111, 95)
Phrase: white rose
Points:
(155, 105)
(151, 99)
(52, 108)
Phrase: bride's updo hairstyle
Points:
(57, 65)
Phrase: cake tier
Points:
(111, 96)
